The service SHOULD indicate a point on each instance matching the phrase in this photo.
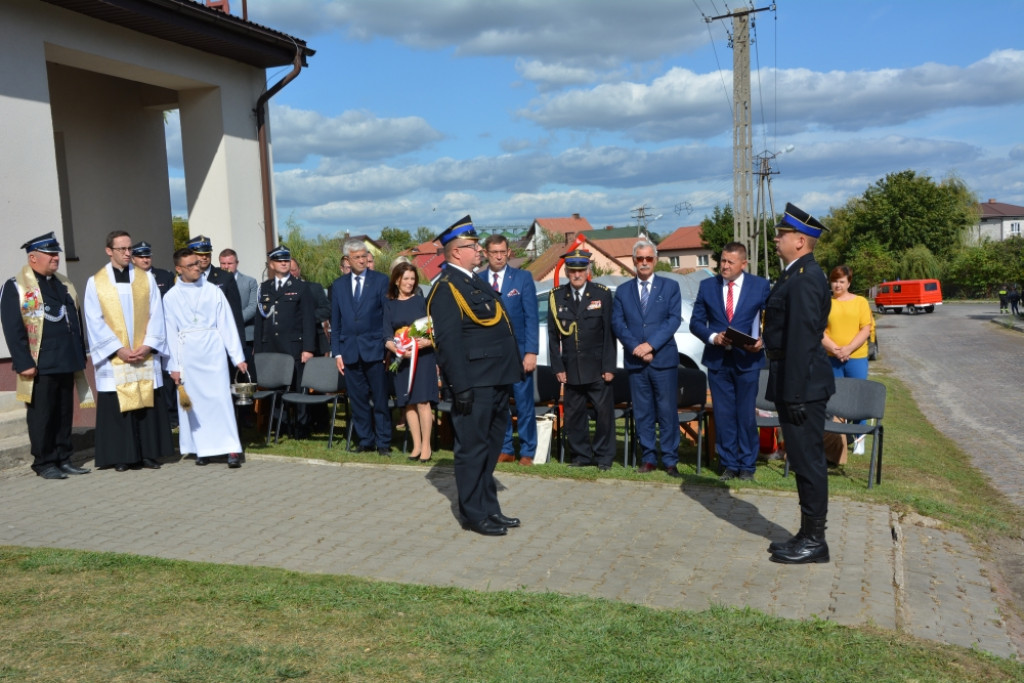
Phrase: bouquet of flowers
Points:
(405, 340)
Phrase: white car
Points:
(690, 347)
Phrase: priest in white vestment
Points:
(200, 331)
(124, 320)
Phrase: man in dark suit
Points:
(582, 352)
(645, 316)
(203, 248)
(357, 344)
(519, 297)
(800, 379)
(284, 319)
(479, 359)
(732, 299)
(43, 328)
(142, 258)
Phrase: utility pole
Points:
(742, 130)
(640, 214)
(765, 209)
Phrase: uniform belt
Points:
(774, 354)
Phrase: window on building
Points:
(1015, 228)
(674, 261)
(702, 260)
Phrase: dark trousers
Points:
(478, 439)
(805, 449)
(366, 382)
(577, 423)
(50, 416)
(734, 395)
(655, 402)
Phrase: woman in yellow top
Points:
(846, 337)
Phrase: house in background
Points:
(83, 91)
(564, 229)
(684, 250)
(997, 222)
(543, 267)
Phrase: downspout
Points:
(261, 133)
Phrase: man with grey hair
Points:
(645, 316)
(357, 344)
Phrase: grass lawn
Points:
(82, 616)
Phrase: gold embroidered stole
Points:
(31, 305)
(135, 381)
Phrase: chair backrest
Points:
(857, 399)
(763, 403)
(693, 387)
(546, 387)
(621, 394)
(274, 370)
(321, 375)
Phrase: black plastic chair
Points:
(274, 372)
(321, 384)
(622, 401)
(692, 404)
(763, 405)
(547, 396)
(855, 400)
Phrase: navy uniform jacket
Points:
(472, 354)
(285, 322)
(61, 349)
(229, 288)
(589, 351)
(164, 280)
(795, 318)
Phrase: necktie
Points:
(728, 303)
(495, 283)
(644, 295)
(579, 298)
(359, 287)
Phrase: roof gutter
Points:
(269, 228)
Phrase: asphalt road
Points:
(966, 375)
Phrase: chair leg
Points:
(280, 419)
(334, 416)
(700, 441)
(270, 420)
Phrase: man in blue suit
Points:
(645, 316)
(519, 297)
(732, 299)
(357, 344)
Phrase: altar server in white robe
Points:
(125, 324)
(200, 329)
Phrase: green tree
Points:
(319, 258)
(717, 231)
(180, 227)
(397, 239)
(871, 264)
(905, 209)
(918, 263)
(424, 234)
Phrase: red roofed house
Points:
(684, 249)
(428, 257)
(568, 228)
(998, 221)
(542, 268)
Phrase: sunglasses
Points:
(644, 259)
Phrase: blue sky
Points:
(417, 113)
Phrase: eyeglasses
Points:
(123, 250)
(194, 264)
(471, 245)
(494, 252)
(644, 259)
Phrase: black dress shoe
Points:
(580, 464)
(386, 452)
(51, 472)
(729, 475)
(121, 467)
(234, 460)
(502, 520)
(202, 462)
(806, 550)
(359, 448)
(150, 464)
(604, 468)
(487, 528)
(646, 467)
(746, 476)
(68, 468)
(673, 471)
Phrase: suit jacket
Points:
(519, 296)
(589, 351)
(247, 287)
(229, 288)
(284, 319)
(469, 353)
(795, 318)
(355, 327)
(657, 326)
(709, 318)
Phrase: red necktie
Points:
(728, 303)
(495, 283)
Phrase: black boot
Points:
(805, 526)
(810, 548)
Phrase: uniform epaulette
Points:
(598, 285)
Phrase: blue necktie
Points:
(359, 287)
(644, 296)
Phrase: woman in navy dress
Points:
(405, 305)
